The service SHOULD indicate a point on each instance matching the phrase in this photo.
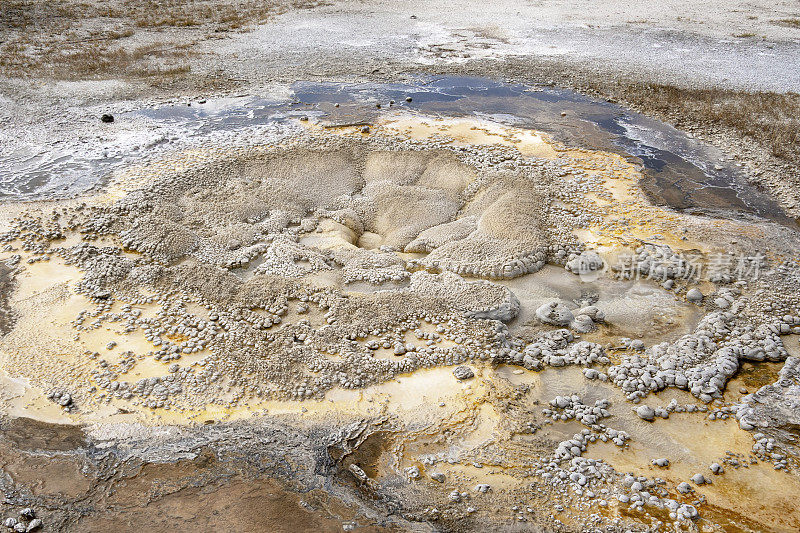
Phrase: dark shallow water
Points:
(681, 172)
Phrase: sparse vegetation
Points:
(771, 119)
(225, 16)
(94, 59)
(71, 39)
(792, 22)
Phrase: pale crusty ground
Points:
(567, 43)
(484, 418)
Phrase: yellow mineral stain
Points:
(470, 131)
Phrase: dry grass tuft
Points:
(771, 119)
(74, 39)
(225, 16)
(792, 22)
(94, 60)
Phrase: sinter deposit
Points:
(473, 321)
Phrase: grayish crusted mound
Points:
(284, 256)
(475, 299)
(222, 209)
(555, 314)
(372, 266)
(164, 240)
(510, 237)
(409, 192)
(236, 236)
(582, 320)
(703, 361)
(229, 237)
(468, 217)
(438, 236)
(775, 406)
